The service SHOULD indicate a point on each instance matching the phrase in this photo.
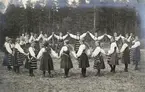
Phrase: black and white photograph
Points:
(72, 45)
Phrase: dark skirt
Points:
(136, 54)
(66, 61)
(46, 63)
(17, 60)
(99, 63)
(84, 61)
(5, 60)
(126, 56)
(113, 59)
(31, 63)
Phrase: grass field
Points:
(132, 81)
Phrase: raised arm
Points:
(129, 39)
(73, 36)
(49, 37)
(83, 35)
(31, 38)
(56, 36)
(92, 36)
(100, 37)
(109, 36)
(118, 37)
(39, 37)
(65, 36)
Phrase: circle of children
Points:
(32, 48)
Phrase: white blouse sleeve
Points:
(53, 53)
(129, 39)
(109, 36)
(8, 48)
(49, 37)
(64, 48)
(81, 49)
(123, 48)
(31, 38)
(111, 48)
(32, 53)
(96, 52)
(118, 37)
(40, 53)
(64, 37)
(18, 47)
(136, 44)
(92, 36)
(83, 35)
(103, 51)
(56, 36)
(100, 37)
(73, 36)
(122, 37)
(39, 37)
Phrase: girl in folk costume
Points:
(60, 40)
(8, 53)
(17, 56)
(66, 62)
(83, 58)
(98, 58)
(46, 63)
(77, 37)
(31, 63)
(113, 55)
(125, 54)
(136, 52)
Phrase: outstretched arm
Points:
(49, 37)
(100, 37)
(64, 37)
(56, 36)
(73, 36)
(92, 36)
(83, 35)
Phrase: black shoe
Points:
(32, 75)
(9, 68)
(125, 70)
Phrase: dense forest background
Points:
(52, 18)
